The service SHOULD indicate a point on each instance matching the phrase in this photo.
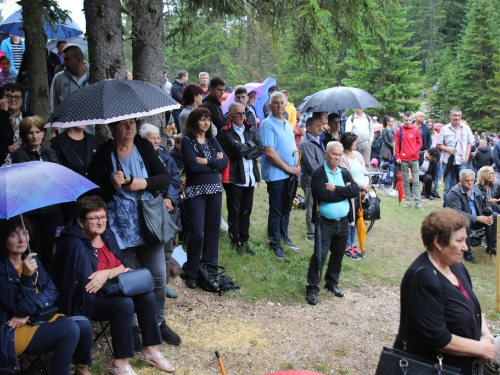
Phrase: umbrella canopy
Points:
(263, 98)
(291, 190)
(399, 187)
(438, 126)
(110, 101)
(27, 186)
(253, 86)
(14, 25)
(76, 40)
(378, 127)
(361, 227)
(337, 99)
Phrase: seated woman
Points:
(490, 189)
(87, 256)
(440, 314)
(428, 170)
(26, 291)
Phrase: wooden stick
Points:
(221, 365)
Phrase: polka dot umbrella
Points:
(110, 101)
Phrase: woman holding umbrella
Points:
(123, 168)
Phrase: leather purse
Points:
(130, 283)
(157, 227)
(371, 206)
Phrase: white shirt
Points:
(247, 163)
(361, 126)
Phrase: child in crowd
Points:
(6, 75)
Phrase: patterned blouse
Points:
(194, 191)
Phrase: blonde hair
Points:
(483, 174)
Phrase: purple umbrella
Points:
(253, 86)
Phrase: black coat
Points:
(69, 158)
(176, 91)
(432, 165)
(213, 105)
(483, 157)
(6, 133)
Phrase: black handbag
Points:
(129, 283)
(401, 362)
(43, 316)
(371, 206)
(157, 227)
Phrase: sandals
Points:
(161, 363)
(123, 370)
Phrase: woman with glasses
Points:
(387, 147)
(10, 117)
(87, 256)
(490, 189)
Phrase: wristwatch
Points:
(110, 275)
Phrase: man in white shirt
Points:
(361, 124)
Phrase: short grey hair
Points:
(333, 144)
(201, 74)
(235, 104)
(148, 128)
(466, 172)
(276, 94)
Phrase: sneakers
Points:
(310, 239)
(169, 293)
(358, 252)
(169, 336)
(136, 333)
(291, 245)
(419, 207)
(279, 253)
(407, 204)
(351, 254)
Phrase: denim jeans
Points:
(406, 166)
(152, 258)
(451, 179)
(277, 222)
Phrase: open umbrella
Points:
(399, 187)
(338, 98)
(14, 25)
(291, 190)
(360, 226)
(110, 101)
(253, 86)
(76, 40)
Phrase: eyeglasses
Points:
(13, 97)
(97, 219)
(239, 114)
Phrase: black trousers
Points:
(490, 234)
(119, 310)
(427, 180)
(204, 212)
(333, 238)
(44, 237)
(239, 202)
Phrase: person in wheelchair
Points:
(469, 201)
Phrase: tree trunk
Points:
(35, 53)
(105, 39)
(148, 40)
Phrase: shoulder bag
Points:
(395, 361)
(371, 205)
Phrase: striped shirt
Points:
(17, 52)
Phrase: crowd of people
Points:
(208, 153)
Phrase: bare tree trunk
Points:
(35, 53)
(105, 39)
(148, 40)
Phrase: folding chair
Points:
(33, 362)
(103, 331)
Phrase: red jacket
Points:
(411, 143)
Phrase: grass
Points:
(390, 248)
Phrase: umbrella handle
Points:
(300, 156)
(221, 365)
(130, 182)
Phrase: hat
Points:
(385, 165)
(374, 162)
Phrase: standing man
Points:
(278, 163)
(290, 109)
(313, 156)
(13, 48)
(241, 96)
(204, 78)
(408, 141)
(455, 140)
(332, 187)
(361, 124)
(424, 131)
(212, 102)
(176, 90)
(243, 146)
(60, 46)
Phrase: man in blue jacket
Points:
(424, 131)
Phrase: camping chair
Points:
(33, 362)
(103, 331)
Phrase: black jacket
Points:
(176, 91)
(52, 62)
(101, 168)
(458, 199)
(213, 105)
(483, 157)
(69, 158)
(235, 150)
(322, 194)
(425, 132)
(432, 165)
(6, 133)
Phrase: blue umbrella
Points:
(27, 186)
(14, 25)
(76, 40)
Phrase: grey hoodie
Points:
(64, 84)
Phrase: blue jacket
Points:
(6, 47)
(425, 132)
(174, 189)
(18, 297)
(74, 262)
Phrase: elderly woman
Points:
(26, 291)
(353, 161)
(171, 195)
(490, 189)
(192, 97)
(87, 256)
(10, 117)
(112, 168)
(203, 161)
(387, 143)
(46, 219)
(440, 314)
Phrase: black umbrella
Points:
(338, 98)
(110, 101)
(449, 164)
(291, 189)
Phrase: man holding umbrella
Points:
(278, 165)
(332, 187)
